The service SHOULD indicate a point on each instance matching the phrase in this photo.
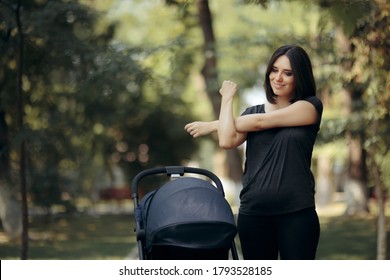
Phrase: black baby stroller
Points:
(186, 218)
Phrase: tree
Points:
(88, 101)
(356, 183)
(16, 11)
(210, 74)
(363, 46)
(371, 53)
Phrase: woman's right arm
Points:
(228, 135)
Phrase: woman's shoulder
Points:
(256, 109)
(317, 103)
(313, 99)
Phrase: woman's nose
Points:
(279, 76)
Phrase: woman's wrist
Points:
(214, 126)
(227, 98)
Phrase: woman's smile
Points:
(281, 78)
(277, 85)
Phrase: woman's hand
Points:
(228, 89)
(197, 129)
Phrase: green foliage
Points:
(349, 14)
(372, 57)
(107, 82)
(248, 33)
(89, 101)
(359, 65)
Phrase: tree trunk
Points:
(10, 215)
(356, 182)
(210, 74)
(381, 252)
(209, 70)
(381, 202)
(4, 148)
(22, 147)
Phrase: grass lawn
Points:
(76, 237)
(344, 238)
(112, 237)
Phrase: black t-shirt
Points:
(277, 177)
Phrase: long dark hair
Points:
(305, 85)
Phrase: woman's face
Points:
(281, 78)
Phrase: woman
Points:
(277, 216)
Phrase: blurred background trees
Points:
(109, 85)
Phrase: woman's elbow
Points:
(230, 143)
(226, 144)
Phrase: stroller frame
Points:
(173, 172)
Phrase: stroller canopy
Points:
(188, 212)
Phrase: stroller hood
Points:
(188, 212)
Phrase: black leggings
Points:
(294, 236)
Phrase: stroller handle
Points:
(174, 171)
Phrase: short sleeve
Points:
(316, 102)
(257, 109)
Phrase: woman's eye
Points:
(289, 74)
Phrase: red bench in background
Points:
(115, 194)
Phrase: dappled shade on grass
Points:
(347, 238)
(77, 237)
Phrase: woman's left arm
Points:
(300, 113)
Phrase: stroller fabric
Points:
(187, 212)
